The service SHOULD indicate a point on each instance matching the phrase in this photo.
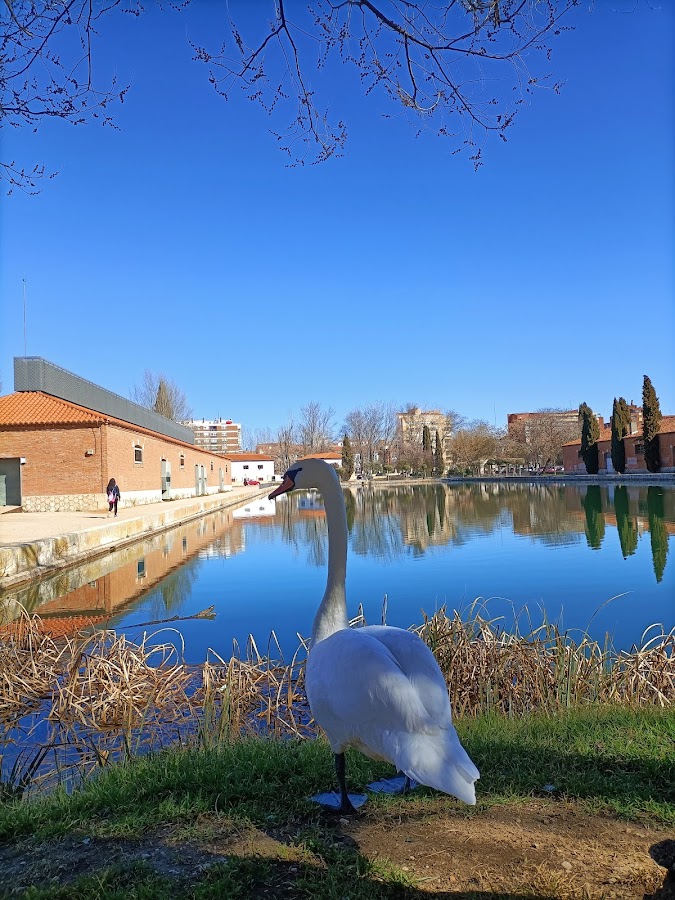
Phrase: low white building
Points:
(251, 466)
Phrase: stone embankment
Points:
(33, 545)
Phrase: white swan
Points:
(377, 688)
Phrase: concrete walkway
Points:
(33, 545)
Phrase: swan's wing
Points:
(419, 665)
(356, 687)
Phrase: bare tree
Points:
(372, 432)
(540, 436)
(287, 446)
(316, 429)
(473, 445)
(462, 68)
(161, 394)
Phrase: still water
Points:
(591, 558)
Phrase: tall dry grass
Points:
(91, 697)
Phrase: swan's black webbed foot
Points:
(342, 804)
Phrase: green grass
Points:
(614, 760)
(607, 757)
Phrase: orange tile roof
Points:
(36, 408)
(666, 427)
(246, 457)
(329, 454)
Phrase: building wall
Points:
(635, 457)
(60, 473)
(57, 464)
(260, 470)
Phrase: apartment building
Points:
(216, 435)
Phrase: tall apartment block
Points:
(216, 435)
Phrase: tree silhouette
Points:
(595, 519)
(625, 525)
(657, 529)
(651, 424)
(590, 433)
(620, 428)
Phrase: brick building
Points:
(56, 454)
(634, 445)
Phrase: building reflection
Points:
(93, 592)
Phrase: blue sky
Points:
(182, 243)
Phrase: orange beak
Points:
(285, 486)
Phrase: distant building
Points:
(521, 426)
(216, 435)
(252, 466)
(332, 457)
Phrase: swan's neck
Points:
(332, 614)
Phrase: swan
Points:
(376, 688)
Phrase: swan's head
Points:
(305, 474)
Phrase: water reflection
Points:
(432, 543)
(166, 567)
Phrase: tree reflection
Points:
(625, 525)
(388, 522)
(595, 519)
(657, 529)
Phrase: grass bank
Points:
(610, 761)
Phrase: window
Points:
(182, 460)
(260, 466)
(246, 467)
(639, 447)
(212, 465)
(140, 568)
(138, 453)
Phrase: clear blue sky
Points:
(182, 244)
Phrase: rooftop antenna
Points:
(24, 318)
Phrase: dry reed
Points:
(102, 694)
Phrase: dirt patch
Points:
(544, 849)
(552, 848)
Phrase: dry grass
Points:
(488, 669)
(100, 694)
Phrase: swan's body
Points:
(376, 688)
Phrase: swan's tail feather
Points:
(442, 764)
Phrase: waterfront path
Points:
(33, 545)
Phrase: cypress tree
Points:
(347, 458)
(438, 454)
(620, 428)
(651, 422)
(590, 433)
(162, 400)
(426, 439)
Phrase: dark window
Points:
(140, 568)
(639, 448)
(246, 467)
(138, 454)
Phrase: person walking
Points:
(113, 494)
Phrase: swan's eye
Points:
(292, 473)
